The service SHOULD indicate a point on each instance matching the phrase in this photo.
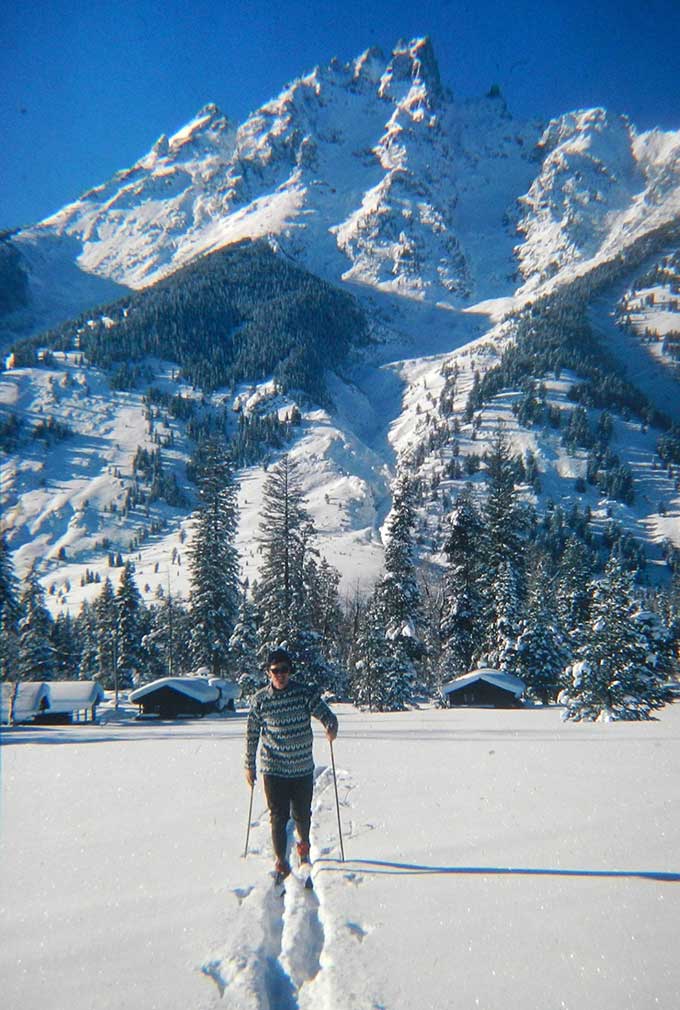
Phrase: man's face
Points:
(279, 674)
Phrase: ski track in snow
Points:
(276, 956)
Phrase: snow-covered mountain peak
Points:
(208, 127)
(413, 65)
(589, 174)
(370, 172)
(367, 69)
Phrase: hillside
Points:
(242, 313)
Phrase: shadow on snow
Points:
(379, 866)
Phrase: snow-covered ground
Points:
(497, 860)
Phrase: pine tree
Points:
(168, 641)
(36, 653)
(214, 563)
(66, 647)
(106, 618)
(284, 595)
(614, 676)
(573, 595)
(401, 594)
(502, 576)
(86, 629)
(377, 677)
(541, 652)
(243, 648)
(129, 657)
(506, 627)
(503, 515)
(460, 626)
(323, 620)
(285, 533)
(9, 613)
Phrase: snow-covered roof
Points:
(198, 688)
(506, 681)
(71, 695)
(30, 697)
(226, 688)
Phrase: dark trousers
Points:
(286, 798)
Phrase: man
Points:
(280, 720)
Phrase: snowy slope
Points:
(487, 865)
(64, 503)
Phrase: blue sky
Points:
(85, 89)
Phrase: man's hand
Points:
(250, 777)
(331, 733)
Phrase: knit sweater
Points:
(281, 722)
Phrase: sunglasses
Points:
(279, 669)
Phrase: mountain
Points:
(501, 270)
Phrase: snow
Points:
(495, 677)
(494, 859)
(72, 695)
(30, 698)
(200, 689)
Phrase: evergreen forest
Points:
(549, 600)
(241, 313)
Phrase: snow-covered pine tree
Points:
(460, 626)
(502, 576)
(243, 648)
(36, 653)
(504, 630)
(285, 533)
(400, 591)
(376, 679)
(323, 623)
(282, 597)
(541, 651)
(129, 656)
(214, 563)
(66, 647)
(659, 639)
(106, 617)
(573, 589)
(615, 676)
(86, 629)
(168, 640)
(9, 613)
(504, 517)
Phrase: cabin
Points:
(57, 701)
(72, 701)
(182, 697)
(484, 688)
(23, 701)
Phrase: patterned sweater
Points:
(281, 722)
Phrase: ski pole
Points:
(337, 804)
(250, 814)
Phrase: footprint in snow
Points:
(357, 931)
(241, 893)
(354, 878)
